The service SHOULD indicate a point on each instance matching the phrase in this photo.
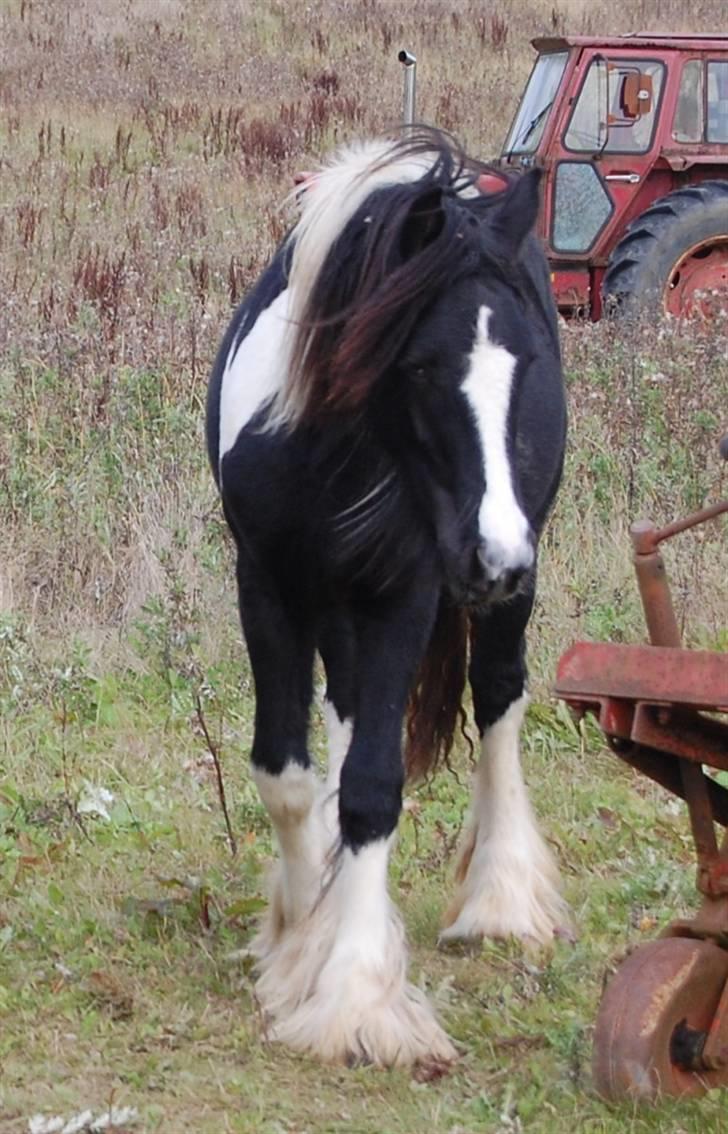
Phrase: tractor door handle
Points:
(631, 178)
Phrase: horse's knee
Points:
(288, 795)
(494, 694)
(498, 676)
(370, 800)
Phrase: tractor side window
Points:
(717, 102)
(581, 207)
(587, 125)
(689, 119)
(615, 111)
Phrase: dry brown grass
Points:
(147, 148)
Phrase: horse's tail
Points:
(435, 704)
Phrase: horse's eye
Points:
(419, 375)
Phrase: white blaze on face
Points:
(503, 527)
(255, 371)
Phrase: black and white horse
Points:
(386, 425)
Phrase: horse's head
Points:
(461, 372)
(411, 310)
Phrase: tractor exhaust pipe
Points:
(409, 62)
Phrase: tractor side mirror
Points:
(635, 96)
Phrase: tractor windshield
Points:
(538, 97)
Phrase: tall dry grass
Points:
(147, 149)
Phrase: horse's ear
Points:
(515, 216)
(423, 223)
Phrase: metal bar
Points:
(701, 813)
(664, 631)
(654, 588)
(409, 62)
(715, 1050)
(702, 740)
(646, 536)
(696, 679)
(691, 521)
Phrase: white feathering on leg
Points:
(335, 986)
(292, 801)
(508, 880)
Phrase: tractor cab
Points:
(618, 125)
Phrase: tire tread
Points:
(648, 231)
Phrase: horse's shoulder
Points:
(269, 285)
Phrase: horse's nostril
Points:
(477, 565)
(483, 562)
(510, 581)
(498, 559)
(490, 569)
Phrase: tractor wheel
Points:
(674, 257)
(654, 1018)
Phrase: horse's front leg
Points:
(337, 987)
(338, 649)
(281, 648)
(508, 883)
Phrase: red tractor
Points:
(632, 133)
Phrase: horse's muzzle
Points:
(494, 577)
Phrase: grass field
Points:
(145, 150)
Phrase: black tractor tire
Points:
(643, 262)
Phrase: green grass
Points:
(121, 939)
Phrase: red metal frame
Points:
(666, 165)
(650, 700)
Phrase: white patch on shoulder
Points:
(503, 526)
(255, 371)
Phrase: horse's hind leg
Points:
(508, 882)
(281, 648)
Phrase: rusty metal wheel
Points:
(653, 1020)
(698, 282)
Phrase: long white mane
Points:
(334, 194)
(330, 199)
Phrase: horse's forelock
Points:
(391, 297)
